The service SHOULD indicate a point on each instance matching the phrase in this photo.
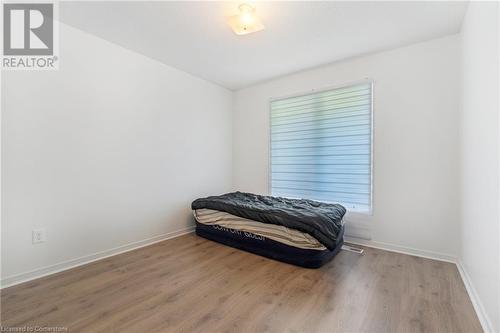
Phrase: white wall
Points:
(479, 153)
(111, 149)
(415, 134)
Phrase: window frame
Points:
(318, 90)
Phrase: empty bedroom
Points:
(252, 166)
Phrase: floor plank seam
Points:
(13, 280)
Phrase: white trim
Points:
(72, 263)
(372, 143)
(469, 287)
(65, 265)
(486, 318)
(322, 89)
(402, 249)
(476, 301)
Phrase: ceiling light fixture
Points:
(246, 21)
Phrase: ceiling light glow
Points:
(246, 21)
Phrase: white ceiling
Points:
(194, 36)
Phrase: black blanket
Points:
(318, 219)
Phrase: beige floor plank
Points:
(189, 284)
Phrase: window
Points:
(321, 146)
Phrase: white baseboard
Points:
(476, 301)
(68, 264)
(402, 249)
(65, 265)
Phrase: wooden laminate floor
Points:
(189, 284)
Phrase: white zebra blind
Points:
(321, 146)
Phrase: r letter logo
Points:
(28, 36)
(28, 29)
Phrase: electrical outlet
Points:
(39, 236)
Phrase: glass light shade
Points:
(246, 21)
